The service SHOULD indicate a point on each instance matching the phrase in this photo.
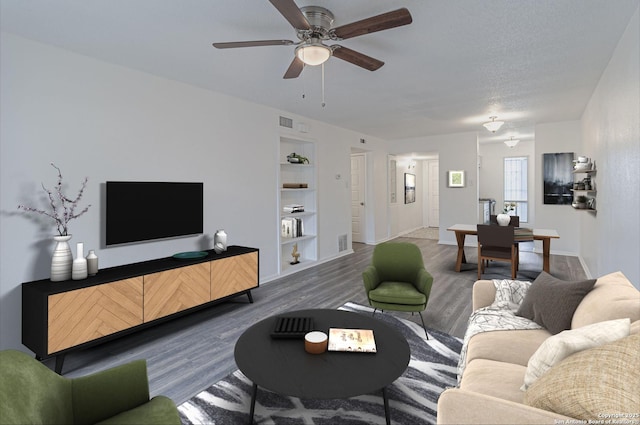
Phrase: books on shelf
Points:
(295, 185)
(292, 227)
(293, 208)
(352, 340)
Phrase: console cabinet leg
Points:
(59, 363)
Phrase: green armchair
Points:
(31, 393)
(397, 280)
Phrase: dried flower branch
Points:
(62, 208)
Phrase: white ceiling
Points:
(460, 61)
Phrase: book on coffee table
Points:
(352, 340)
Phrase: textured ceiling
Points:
(460, 61)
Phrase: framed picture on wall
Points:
(409, 188)
(456, 178)
(558, 178)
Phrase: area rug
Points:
(432, 233)
(412, 397)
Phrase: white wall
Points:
(611, 134)
(112, 123)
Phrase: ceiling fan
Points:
(313, 26)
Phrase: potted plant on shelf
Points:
(294, 158)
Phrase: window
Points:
(515, 186)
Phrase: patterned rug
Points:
(412, 397)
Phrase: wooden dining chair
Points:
(513, 221)
(497, 243)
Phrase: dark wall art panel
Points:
(557, 178)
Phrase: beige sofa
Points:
(490, 389)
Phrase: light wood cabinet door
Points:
(233, 275)
(175, 290)
(82, 315)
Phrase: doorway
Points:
(358, 190)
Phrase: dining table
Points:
(462, 230)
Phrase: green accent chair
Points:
(31, 393)
(397, 280)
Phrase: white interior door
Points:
(357, 197)
(433, 206)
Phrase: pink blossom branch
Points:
(68, 211)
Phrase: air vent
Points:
(286, 122)
(342, 243)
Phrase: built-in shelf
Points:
(306, 245)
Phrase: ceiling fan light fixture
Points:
(511, 142)
(493, 125)
(313, 53)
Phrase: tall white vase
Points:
(62, 259)
(79, 269)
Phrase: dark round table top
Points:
(283, 366)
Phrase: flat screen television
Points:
(142, 211)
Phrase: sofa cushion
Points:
(593, 382)
(497, 379)
(510, 293)
(511, 346)
(560, 346)
(612, 297)
(551, 302)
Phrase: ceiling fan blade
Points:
(234, 44)
(294, 69)
(395, 18)
(292, 13)
(356, 58)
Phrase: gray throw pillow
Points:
(551, 302)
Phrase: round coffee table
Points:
(284, 367)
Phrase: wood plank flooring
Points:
(186, 355)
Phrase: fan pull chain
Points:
(323, 86)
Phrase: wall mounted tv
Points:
(142, 211)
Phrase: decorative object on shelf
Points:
(580, 202)
(220, 241)
(61, 260)
(295, 254)
(294, 158)
(62, 211)
(79, 268)
(493, 125)
(456, 178)
(92, 263)
(582, 164)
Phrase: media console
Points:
(58, 317)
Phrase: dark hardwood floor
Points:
(186, 355)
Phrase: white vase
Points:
(92, 263)
(503, 219)
(220, 241)
(61, 260)
(79, 267)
